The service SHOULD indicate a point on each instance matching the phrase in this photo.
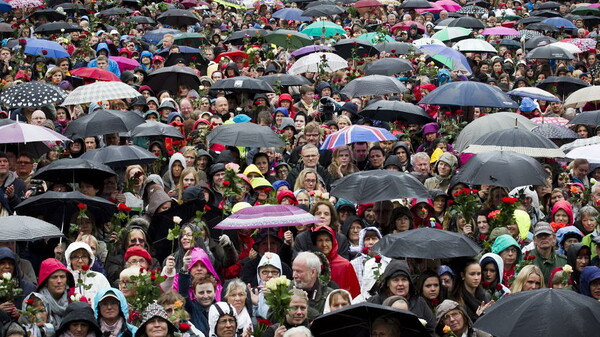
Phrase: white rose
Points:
(176, 220)
(7, 276)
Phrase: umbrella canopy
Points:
(289, 39)
(534, 93)
(103, 122)
(120, 155)
(191, 39)
(73, 170)
(549, 52)
(447, 56)
(94, 73)
(151, 128)
(388, 67)
(396, 110)
(323, 10)
(563, 86)
(268, 216)
(550, 120)
(415, 4)
(46, 48)
(100, 91)
(517, 170)
(143, 20)
(177, 17)
(535, 310)
(357, 320)
(298, 53)
(474, 45)
(378, 185)
(58, 27)
(310, 63)
(426, 243)
(32, 95)
(294, 14)
(242, 84)
(367, 3)
(502, 31)
(278, 80)
(245, 134)
(115, 11)
(582, 96)
(125, 63)
(573, 49)
(472, 10)
(375, 38)
(426, 41)
(590, 152)
(467, 22)
(238, 37)
(580, 142)
(519, 140)
(326, 28)
(587, 118)
(26, 3)
(537, 41)
(154, 36)
(553, 131)
(405, 25)
(397, 48)
(372, 85)
(561, 23)
(355, 48)
(452, 33)
(26, 228)
(489, 123)
(27, 133)
(356, 134)
(169, 78)
(469, 94)
(49, 13)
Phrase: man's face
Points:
(422, 166)
(309, 97)
(186, 108)
(360, 151)
(57, 283)
(444, 169)
(544, 241)
(102, 64)
(4, 166)
(24, 165)
(298, 311)
(310, 158)
(304, 277)
(5, 55)
(221, 106)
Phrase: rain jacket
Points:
(47, 268)
(198, 255)
(416, 303)
(437, 181)
(127, 330)
(268, 259)
(449, 305)
(47, 329)
(97, 281)
(13, 179)
(565, 206)
(342, 271)
(574, 250)
(497, 260)
(168, 176)
(28, 287)
(359, 261)
(565, 233)
(113, 66)
(588, 275)
(79, 312)
(500, 244)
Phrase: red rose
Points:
(509, 200)
(486, 284)
(482, 237)
(22, 41)
(263, 321)
(324, 57)
(226, 183)
(81, 206)
(152, 278)
(123, 208)
(44, 52)
(529, 257)
(498, 286)
(84, 300)
(365, 250)
(450, 203)
(142, 269)
(377, 258)
(85, 267)
(435, 302)
(29, 301)
(354, 43)
(206, 208)
(360, 62)
(183, 327)
(393, 51)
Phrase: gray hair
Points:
(586, 210)
(311, 259)
(293, 332)
(234, 284)
(419, 155)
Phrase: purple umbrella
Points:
(500, 31)
(268, 216)
(125, 63)
(27, 133)
(298, 53)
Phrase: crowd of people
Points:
(208, 282)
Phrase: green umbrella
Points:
(289, 39)
(452, 33)
(191, 40)
(320, 28)
(586, 10)
(375, 38)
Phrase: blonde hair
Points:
(184, 173)
(524, 275)
(299, 185)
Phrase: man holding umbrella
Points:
(11, 187)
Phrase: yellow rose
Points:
(568, 269)
(446, 329)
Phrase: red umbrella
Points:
(367, 3)
(405, 25)
(233, 55)
(125, 63)
(95, 74)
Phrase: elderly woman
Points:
(80, 258)
(54, 282)
(112, 312)
(79, 321)
(222, 320)
(155, 323)
(451, 314)
(235, 295)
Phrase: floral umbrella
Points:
(26, 3)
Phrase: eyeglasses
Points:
(80, 257)
(137, 241)
(451, 316)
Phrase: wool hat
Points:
(138, 251)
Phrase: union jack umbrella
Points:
(356, 134)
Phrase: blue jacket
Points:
(128, 330)
(113, 67)
(588, 274)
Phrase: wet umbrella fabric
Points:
(120, 155)
(151, 128)
(519, 140)
(177, 17)
(372, 85)
(388, 67)
(245, 134)
(268, 216)
(284, 80)
(562, 86)
(95, 74)
(171, 77)
(58, 27)
(490, 123)
(28, 133)
(356, 134)
(73, 170)
(32, 95)
(587, 118)
(242, 84)
(26, 228)
(103, 122)
(553, 131)
(100, 91)
(46, 48)
(396, 110)
(469, 94)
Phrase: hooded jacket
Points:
(168, 179)
(47, 329)
(359, 261)
(588, 275)
(26, 286)
(127, 330)
(113, 66)
(416, 303)
(565, 233)
(497, 260)
(200, 256)
(445, 307)
(342, 271)
(437, 181)
(49, 267)
(268, 259)
(79, 312)
(96, 280)
(572, 253)
(287, 97)
(565, 206)
(500, 244)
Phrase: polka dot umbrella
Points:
(32, 95)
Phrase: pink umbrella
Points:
(26, 3)
(500, 31)
(436, 8)
(125, 63)
(367, 3)
(449, 5)
(268, 216)
(550, 120)
(27, 133)
(405, 25)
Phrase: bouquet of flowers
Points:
(147, 290)
(278, 298)
(466, 203)
(8, 288)
(505, 214)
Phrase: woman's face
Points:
(337, 302)
(344, 158)
(205, 294)
(136, 238)
(490, 273)
(532, 282)
(226, 326)
(187, 238)
(353, 233)
(324, 213)
(263, 165)
(472, 275)
(189, 180)
(431, 288)
(342, 123)
(303, 199)
(482, 224)
(79, 328)
(79, 258)
(57, 77)
(157, 327)
(582, 131)
(300, 122)
(202, 162)
(176, 169)
(190, 158)
(588, 222)
(561, 216)
(557, 196)
(399, 285)
(75, 147)
(376, 158)
(439, 203)
(310, 182)
(90, 143)
(402, 224)
(199, 270)
(237, 298)
(509, 256)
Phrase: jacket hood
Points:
(363, 232)
(79, 311)
(497, 260)
(49, 267)
(349, 220)
(528, 192)
(589, 274)
(175, 157)
(102, 46)
(75, 246)
(215, 312)
(449, 159)
(268, 259)
(393, 269)
(120, 297)
(145, 53)
(572, 253)
(156, 197)
(328, 299)
(199, 255)
(504, 241)
(565, 206)
(445, 307)
(6, 253)
(567, 232)
(285, 97)
(334, 244)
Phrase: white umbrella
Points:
(582, 96)
(427, 40)
(310, 63)
(582, 142)
(568, 46)
(100, 91)
(474, 45)
(590, 152)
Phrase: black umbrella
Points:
(502, 168)
(357, 48)
(553, 131)
(388, 67)
(50, 14)
(323, 10)
(245, 134)
(415, 4)
(544, 27)
(177, 17)
(237, 37)
(36, 149)
(186, 56)
(72, 8)
(427, 243)
(546, 13)
(372, 186)
(319, 3)
(467, 22)
(510, 44)
(534, 312)
(357, 321)
(143, 20)
(58, 207)
(469, 94)
(151, 128)
(169, 78)
(58, 27)
(278, 80)
(103, 122)
(242, 84)
(587, 118)
(547, 5)
(120, 155)
(373, 85)
(550, 53)
(519, 140)
(115, 11)
(538, 41)
(531, 19)
(397, 48)
(32, 95)
(480, 3)
(396, 111)
(562, 86)
(73, 170)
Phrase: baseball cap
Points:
(109, 294)
(542, 228)
(158, 58)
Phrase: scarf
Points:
(57, 309)
(111, 330)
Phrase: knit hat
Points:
(351, 107)
(154, 310)
(138, 251)
(288, 194)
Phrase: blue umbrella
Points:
(46, 48)
(356, 134)
(182, 50)
(449, 57)
(291, 14)
(469, 94)
(560, 23)
(534, 93)
(154, 36)
(5, 7)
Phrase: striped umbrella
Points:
(356, 134)
(268, 216)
